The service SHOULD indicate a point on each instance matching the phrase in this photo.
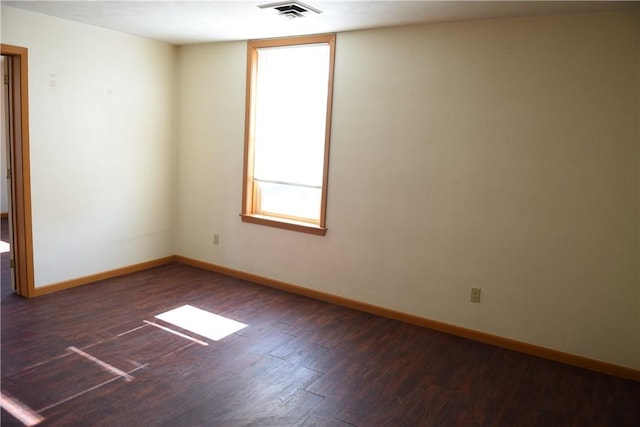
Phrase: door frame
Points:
(20, 203)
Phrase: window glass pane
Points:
(282, 199)
(288, 116)
(291, 107)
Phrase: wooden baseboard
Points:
(531, 349)
(510, 344)
(104, 275)
(4, 214)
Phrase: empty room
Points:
(320, 213)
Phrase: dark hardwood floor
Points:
(299, 362)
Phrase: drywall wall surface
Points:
(210, 151)
(494, 154)
(102, 140)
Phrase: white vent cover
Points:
(290, 9)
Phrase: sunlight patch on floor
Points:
(201, 322)
(19, 410)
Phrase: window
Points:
(287, 131)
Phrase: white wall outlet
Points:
(216, 238)
(475, 294)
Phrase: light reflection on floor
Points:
(134, 354)
(201, 322)
(4, 247)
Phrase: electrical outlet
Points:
(216, 239)
(475, 294)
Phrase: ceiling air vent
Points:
(290, 9)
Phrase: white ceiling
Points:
(185, 21)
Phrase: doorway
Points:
(7, 278)
(15, 125)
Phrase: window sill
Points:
(286, 224)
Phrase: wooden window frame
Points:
(249, 201)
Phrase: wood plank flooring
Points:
(299, 362)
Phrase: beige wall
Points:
(499, 154)
(102, 139)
